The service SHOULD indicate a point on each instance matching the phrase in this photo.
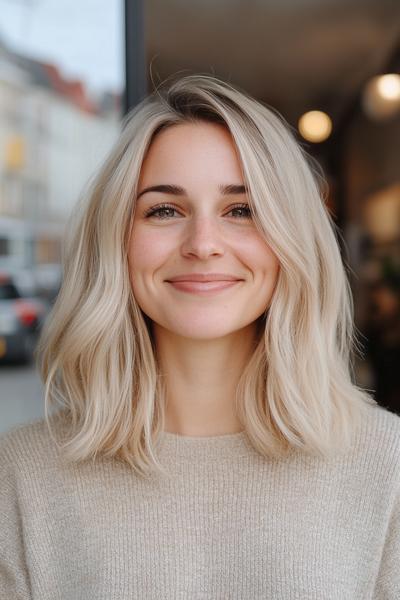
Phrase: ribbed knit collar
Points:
(195, 448)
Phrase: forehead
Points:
(188, 149)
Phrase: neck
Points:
(200, 379)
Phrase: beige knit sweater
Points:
(228, 524)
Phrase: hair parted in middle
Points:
(96, 354)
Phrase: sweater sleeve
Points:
(388, 581)
(14, 577)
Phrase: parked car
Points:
(21, 320)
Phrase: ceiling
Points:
(295, 55)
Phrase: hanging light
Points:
(315, 126)
(381, 96)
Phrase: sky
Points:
(84, 38)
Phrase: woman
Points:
(210, 441)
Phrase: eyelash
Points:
(152, 211)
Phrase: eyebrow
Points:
(176, 190)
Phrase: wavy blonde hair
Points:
(96, 355)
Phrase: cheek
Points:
(259, 257)
(146, 250)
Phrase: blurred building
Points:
(52, 138)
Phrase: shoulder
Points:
(376, 448)
(380, 426)
(32, 444)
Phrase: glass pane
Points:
(61, 85)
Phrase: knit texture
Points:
(227, 524)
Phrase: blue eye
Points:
(161, 209)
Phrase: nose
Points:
(202, 238)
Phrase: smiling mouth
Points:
(203, 287)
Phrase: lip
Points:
(204, 277)
(204, 288)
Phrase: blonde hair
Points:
(96, 354)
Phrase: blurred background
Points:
(69, 73)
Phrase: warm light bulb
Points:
(381, 96)
(388, 86)
(315, 126)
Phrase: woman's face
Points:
(204, 227)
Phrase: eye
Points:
(162, 209)
(158, 210)
(244, 208)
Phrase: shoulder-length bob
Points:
(96, 355)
